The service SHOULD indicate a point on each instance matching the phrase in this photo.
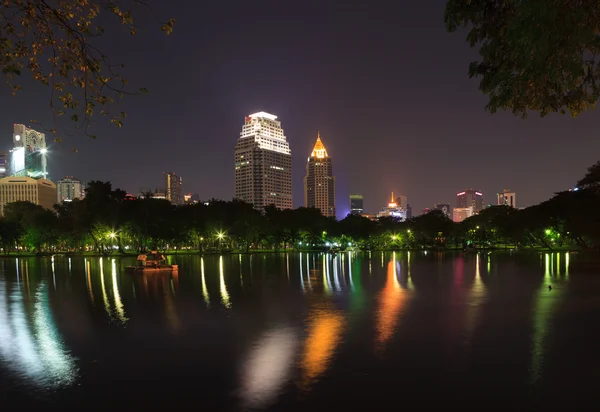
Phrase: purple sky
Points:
(384, 83)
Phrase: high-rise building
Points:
(470, 198)
(319, 183)
(22, 188)
(356, 204)
(263, 163)
(461, 213)
(445, 208)
(402, 202)
(173, 188)
(507, 198)
(408, 211)
(4, 164)
(69, 189)
(28, 156)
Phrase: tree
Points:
(591, 180)
(10, 234)
(54, 41)
(535, 55)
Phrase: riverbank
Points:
(271, 251)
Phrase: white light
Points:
(268, 366)
(17, 137)
(264, 115)
(18, 159)
(44, 151)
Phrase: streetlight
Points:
(220, 236)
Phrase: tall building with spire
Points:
(263, 163)
(319, 183)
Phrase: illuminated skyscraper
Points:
(470, 198)
(263, 163)
(28, 157)
(319, 183)
(68, 189)
(173, 188)
(356, 204)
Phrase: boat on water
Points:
(152, 262)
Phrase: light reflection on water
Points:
(30, 344)
(268, 366)
(392, 301)
(288, 323)
(476, 299)
(325, 326)
(546, 303)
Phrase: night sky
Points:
(383, 82)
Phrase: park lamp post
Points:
(220, 236)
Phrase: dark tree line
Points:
(106, 221)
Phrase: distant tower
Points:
(263, 163)
(319, 183)
(28, 157)
(507, 198)
(470, 198)
(173, 188)
(356, 204)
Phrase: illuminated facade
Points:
(173, 188)
(68, 189)
(319, 183)
(393, 210)
(507, 198)
(263, 163)
(356, 204)
(21, 188)
(470, 198)
(28, 156)
(461, 213)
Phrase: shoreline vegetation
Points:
(106, 222)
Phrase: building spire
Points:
(319, 150)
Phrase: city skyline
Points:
(415, 143)
(261, 131)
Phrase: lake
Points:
(302, 332)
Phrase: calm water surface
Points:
(292, 332)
